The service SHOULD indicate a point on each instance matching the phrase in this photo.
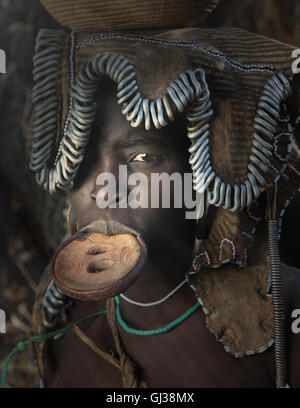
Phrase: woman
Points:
(234, 95)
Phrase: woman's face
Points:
(166, 231)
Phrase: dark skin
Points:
(189, 355)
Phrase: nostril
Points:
(114, 201)
(93, 193)
(119, 199)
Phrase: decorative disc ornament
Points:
(96, 266)
(95, 15)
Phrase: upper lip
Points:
(108, 228)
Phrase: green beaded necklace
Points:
(161, 330)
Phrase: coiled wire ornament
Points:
(45, 100)
(55, 304)
(189, 90)
(277, 289)
(278, 306)
(136, 109)
(238, 197)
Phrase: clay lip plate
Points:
(100, 261)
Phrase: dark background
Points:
(32, 223)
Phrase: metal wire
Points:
(54, 300)
(278, 305)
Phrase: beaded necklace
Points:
(152, 332)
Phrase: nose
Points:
(110, 190)
(110, 201)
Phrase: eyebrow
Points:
(141, 142)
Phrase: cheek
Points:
(80, 198)
(81, 202)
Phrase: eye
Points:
(143, 157)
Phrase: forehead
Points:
(112, 127)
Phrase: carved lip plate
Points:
(110, 228)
